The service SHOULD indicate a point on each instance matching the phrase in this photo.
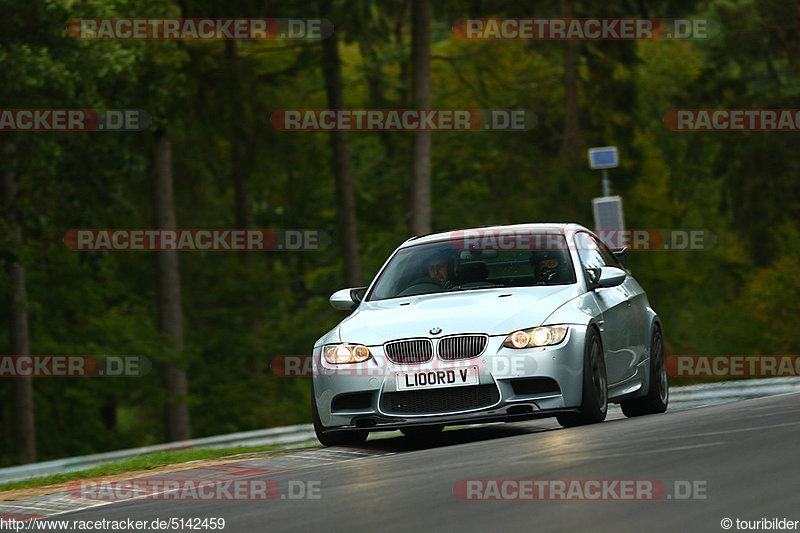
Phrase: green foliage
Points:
(144, 462)
(739, 297)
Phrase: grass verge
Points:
(141, 462)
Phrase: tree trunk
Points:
(346, 223)
(19, 342)
(571, 143)
(170, 319)
(397, 31)
(238, 146)
(421, 96)
(373, 75)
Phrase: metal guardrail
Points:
(260, 437)
(681, 398)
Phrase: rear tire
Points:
(594, 404)
(657, 397)
(335, 437)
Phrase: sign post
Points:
(603, 158)
(607, 210)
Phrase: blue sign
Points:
(603, 157)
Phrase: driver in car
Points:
(439, 269)
(435, 273)
(546, 267)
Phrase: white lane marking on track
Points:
(592, 456)
(714, 433)
(660, 450)
(740, 430)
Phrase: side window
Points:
(589, 251)
(609, 258)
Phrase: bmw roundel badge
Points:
(436, 331)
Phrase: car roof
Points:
(525, 228)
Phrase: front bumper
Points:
(356, 396)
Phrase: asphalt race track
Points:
(743, 454)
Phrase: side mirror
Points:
(347, 299)
(606, 277)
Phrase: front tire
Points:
(657, 397)
(334, 437)
(594, 404)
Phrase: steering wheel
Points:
(420, 287)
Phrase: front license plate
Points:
(437, 379)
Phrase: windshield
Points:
(439, 267)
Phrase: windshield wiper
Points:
(487, 286)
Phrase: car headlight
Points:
(534, 337)
(338, 354)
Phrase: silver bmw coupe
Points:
(492, 324)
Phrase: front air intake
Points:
(461, 347)
(409, 351)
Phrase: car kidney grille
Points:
(461, 347)
(446, 400)
(409, 351)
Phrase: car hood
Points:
(492, 311)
